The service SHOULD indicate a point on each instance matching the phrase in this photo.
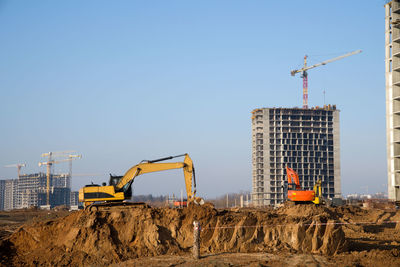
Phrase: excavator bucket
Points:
(198, 201)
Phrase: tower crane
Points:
(305, 68)
(70, 159)
(50, 162)
(18, 165)
(51, 155)
(56, 154)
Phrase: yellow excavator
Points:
(120, 187)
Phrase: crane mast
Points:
(50, 162)
(305, 74)
(305, 84)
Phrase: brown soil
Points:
(12, 220)
(345, 236)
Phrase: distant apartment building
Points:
(306, 140)
(28, 186)
(28, 198)
(10, 194)
(74, 199)
(31, 190)
(59, 196)
(2, 191)
(392, 88)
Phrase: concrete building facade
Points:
(392, 74)
(11, 194)
(306, 140)
(59, 196)
(28, 186)
(2, 191)
(30, 190)
(74, 198)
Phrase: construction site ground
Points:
(292, 235)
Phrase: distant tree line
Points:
(230, 200)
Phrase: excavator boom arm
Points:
(149, 166)
(293, 177)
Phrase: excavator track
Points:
(109, 205)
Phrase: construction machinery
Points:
(180, 203)
(119, 189)
(296, 194)
(305, 74)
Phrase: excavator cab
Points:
(291, 186)
(114, 179)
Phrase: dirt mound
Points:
(305, 210)
(116, 235)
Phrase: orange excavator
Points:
(298, 195)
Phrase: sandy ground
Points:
(12, 220)
(232, 259)
(34, 237)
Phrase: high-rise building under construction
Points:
(30, 190)
(392, 73)
(306, 140)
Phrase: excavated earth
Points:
(342, 236)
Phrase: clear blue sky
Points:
(122, 81)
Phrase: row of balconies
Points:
(304, 184)
(299, 112)
(301, 136)
(302, 175)
(301, 124)
(299, 148)
(327, 117)
(297, 166)
(308, 130)
(313, 172)
(304, 128)
(298, 142)
(319, 121)
(305, 161)
(308, 138)
(304, 154)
